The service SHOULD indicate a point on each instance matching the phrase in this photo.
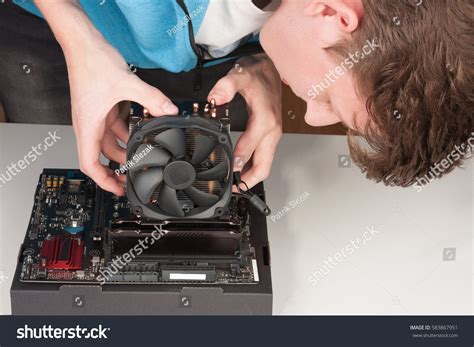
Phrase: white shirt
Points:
(226, 23)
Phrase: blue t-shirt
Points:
(148, 33)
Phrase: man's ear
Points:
(346, 13)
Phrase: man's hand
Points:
(99, 79)
(258, 81)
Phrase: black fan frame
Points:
(142, 130)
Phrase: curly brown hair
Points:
(418, 85)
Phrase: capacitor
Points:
(74, 225)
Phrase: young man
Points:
(400, 73)
(397, 72)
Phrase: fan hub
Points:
(179, 174)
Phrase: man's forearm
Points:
(68, 21)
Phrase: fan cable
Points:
(254, 199)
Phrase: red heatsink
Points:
(62, 253)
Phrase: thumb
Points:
(224, 90)
(151, 98)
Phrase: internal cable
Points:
(254, 199)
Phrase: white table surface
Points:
(399, 271)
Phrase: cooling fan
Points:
(180, 167)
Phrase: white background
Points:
(399, 271)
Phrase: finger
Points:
(120, 130)
(108, 180)
(151, 98)
(224, 90)
(89, 151)
(116, 124)
(111, 149)
(122, 178)
(262, 160)
(112, 116)
(248, 142)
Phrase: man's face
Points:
(295, 38)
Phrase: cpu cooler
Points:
(180, 166)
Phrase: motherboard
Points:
(79, 233)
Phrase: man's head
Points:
(397, 72)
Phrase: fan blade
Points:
(169, 202)
(201, 198)
(146, 182)
(217, 173)
(155, 157)
(174, 141)
(203, 148)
